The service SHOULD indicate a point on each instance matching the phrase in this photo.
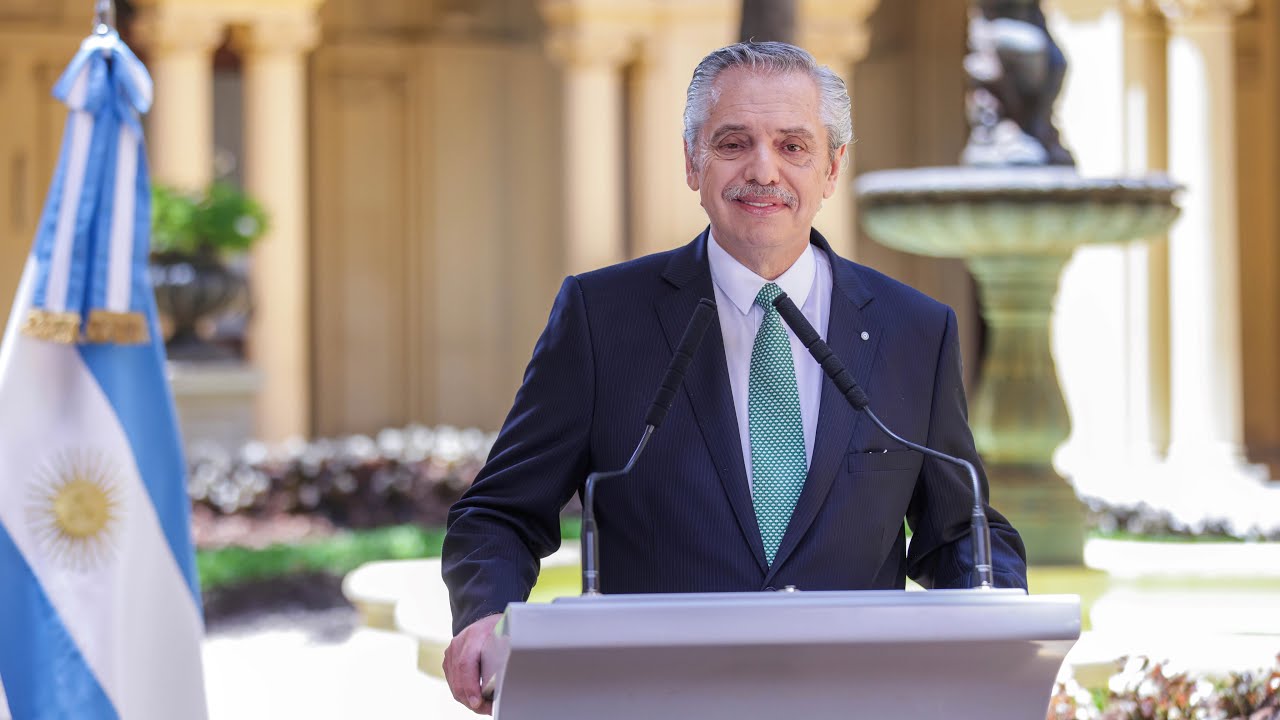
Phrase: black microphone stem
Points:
(844, 382)
(590, 545)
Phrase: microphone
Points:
(844, 382)
(689, 342)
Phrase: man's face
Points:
(761, 162)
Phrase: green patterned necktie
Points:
(778, 463)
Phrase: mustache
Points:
(737, 192)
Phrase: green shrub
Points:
(223, 220)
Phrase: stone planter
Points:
(190, 288)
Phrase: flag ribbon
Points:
(91, 276)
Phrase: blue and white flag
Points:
(99, 604)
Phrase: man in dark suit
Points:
(762, 475)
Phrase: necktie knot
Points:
(767, 295)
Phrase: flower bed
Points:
(1147, 690)
(301, 490)
(1142, 520)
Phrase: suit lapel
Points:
(836, 419)
(706, 384)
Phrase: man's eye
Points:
(793, 147)
(730, 146)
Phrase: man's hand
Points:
(462, 664)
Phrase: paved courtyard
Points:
(320, 666)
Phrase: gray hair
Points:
(768, 57)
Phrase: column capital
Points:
(1193, 10)
(185, 28)
(1140, 8)
(286, 34)
(583, 32)
(836, 31)
(1143, 18)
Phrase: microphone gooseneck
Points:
(703, 314)
(844, 382)
(693, 333)
(590, 545)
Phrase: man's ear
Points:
(833, 172)
(690, 174)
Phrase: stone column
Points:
(180, 44)
(1206, 424)
(1146, 264)
(837, 33)
(1258, 108)
(591, 39)
(665, 213)
(274, 52)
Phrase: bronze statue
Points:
(1015, 71)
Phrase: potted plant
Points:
(192, 238)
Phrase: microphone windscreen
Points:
(795, 320)
(820, 351)
(703, 314)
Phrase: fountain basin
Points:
(973, 211)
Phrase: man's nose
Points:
(762, 165)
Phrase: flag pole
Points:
(104, 17)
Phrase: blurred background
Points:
(366, 207)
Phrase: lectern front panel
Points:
(944, 654)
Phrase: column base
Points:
(1212, 489)
(1220, 459)
(1207, 485)
(215, 403)
(1043, 509)
(1117, 475)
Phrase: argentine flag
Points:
(99, 605)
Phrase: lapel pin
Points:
(866, 335)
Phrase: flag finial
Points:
(104, 17)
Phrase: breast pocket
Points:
(881, 485)
(884, 461)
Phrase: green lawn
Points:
(1054, 580)
(557, 582)
(337, 555)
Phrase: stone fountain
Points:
(1016, 211)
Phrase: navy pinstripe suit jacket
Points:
(684, 522)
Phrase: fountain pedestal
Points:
(1016, 228)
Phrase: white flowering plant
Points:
(1143, 689)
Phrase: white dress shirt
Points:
(808, 283)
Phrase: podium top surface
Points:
(788, 618)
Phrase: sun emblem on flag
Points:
(75, 509)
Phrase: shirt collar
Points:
(741, 285)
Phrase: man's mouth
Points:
(761, 197)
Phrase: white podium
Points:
(950, 654)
